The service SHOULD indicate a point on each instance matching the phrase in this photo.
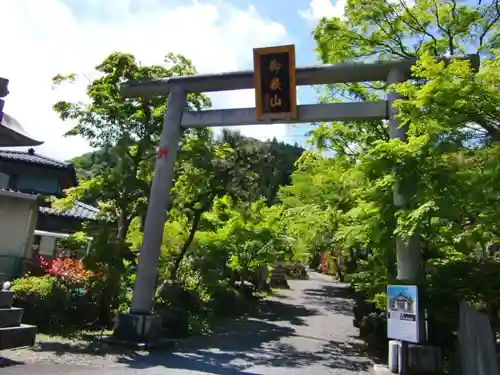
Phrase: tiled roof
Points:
(32, 158)
(80, 211)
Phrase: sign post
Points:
(274, 82)
(402, 313)
(403, 320)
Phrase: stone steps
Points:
(17, 337)
(13, 334)
(10, 317)
(6, 297)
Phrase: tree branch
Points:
(446, 31)
(187, 243)
(488, 27)
(421, 29)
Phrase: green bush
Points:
(184, 311)
(450, 281)
(227, 301)
(44, 301)
(468, 279)
(223, 300)
(52, 306)
(373, 330)
(176, 306)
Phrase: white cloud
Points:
(42, 38)
(323, 8)
(319, 9)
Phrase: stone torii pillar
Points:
(141, 325)
(144, 288)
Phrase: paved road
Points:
(305, 330)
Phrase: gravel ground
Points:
(305, 330)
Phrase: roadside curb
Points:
(380, 370)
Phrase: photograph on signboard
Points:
(401, 300)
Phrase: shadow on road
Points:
(334, 298)
(347, 356)
(256, 341)
(5, 362)
(238, 345)
(267, 338)
(230, 360)
(279, 311)
(93, 346)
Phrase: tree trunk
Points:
(185, 247)
(111, 290)
(340, 273)
(123, 225)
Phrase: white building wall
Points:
(17, 225)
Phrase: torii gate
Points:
(140, 325)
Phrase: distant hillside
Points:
(273, 161)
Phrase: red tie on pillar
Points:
(162, 153)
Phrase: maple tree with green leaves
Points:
(448, 163)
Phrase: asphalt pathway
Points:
(305, 330)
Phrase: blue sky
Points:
(63, 36)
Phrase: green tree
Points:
(126, 132)
(271, 163)
(383, 30)
(244, 237)
(205, 171)
(239, 167)
(446, 165)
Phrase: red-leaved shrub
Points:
(68, 270)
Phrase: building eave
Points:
(12, 134)
(18, 195)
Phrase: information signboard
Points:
(402, 313)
